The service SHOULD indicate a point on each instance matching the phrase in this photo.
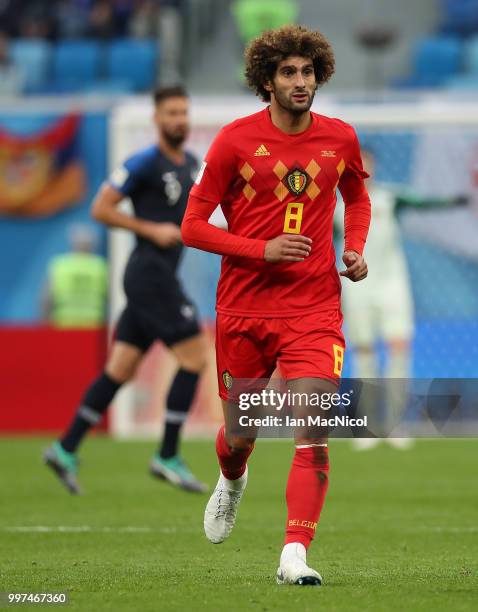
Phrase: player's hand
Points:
(287, 247)
(164, 234)
(356, 266)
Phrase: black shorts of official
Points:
(141, 326)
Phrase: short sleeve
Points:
(217, 171)
(127, 177)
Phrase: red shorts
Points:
(307, 346)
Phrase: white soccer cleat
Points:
(221, 510)
(293, 568)
(364, 444)
(400, 443)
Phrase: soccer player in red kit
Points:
(275, 174)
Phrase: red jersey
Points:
(268, 183)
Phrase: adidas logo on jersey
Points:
(261, 151)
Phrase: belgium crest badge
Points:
(227, 379)
(296, 181)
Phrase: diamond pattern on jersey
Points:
(340, 171)
(312, 170)
(281, 191)
(247, 172)
(282, 172)
(288, 182)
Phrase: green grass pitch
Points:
(399, 531)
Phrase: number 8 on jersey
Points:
(293, 217)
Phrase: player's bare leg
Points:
(167, 464)
(367, 368)
(306, 487)
(232, 452)
(398, 368)
(61, 455)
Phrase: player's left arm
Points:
(357, 214)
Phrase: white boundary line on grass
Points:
(173, 530)
(121, 529)
(85, 529)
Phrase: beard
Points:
(288, 103)
(174, 139)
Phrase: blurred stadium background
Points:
(399, 531)
(74, 102)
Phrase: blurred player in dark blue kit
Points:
(157, 180)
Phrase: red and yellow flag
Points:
(41, 174)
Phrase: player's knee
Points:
(192, 354)
(123, 361)
(194, 363)
(121, 372)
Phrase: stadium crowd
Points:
(99, 19)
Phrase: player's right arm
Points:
(105, 209)
(123, 183)
(214, 179)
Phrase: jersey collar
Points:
(292, 137)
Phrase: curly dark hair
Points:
(263, 54)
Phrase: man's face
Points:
(172, 120)
(294, 84)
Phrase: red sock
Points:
(305, 493)
(233, 462)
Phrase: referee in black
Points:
(157, 180)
